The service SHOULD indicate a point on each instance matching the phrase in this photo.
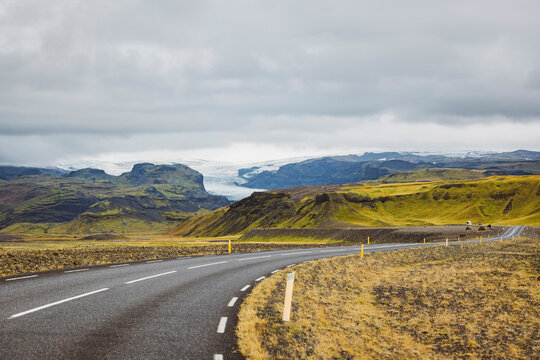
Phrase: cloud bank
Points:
(245, 80)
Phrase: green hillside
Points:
(148, 198)
(495, 200)
(435, 174)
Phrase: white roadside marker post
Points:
(288, 297)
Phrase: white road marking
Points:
(150, 277)
(56, 303)
(231, 303)
(153, 261)
(259, 279)
(76, 270)
(290, 265)
(198, 266)
(275, 271)
(245, 288)
(22, 277)
(119, 265)
(298, 252)
(218, 357)
(331, 250)
(222, 324)
(256, 257)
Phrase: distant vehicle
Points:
(469, 223)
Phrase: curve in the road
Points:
(183, 308)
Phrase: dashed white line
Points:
(256, 257)
(199, 266)
(153, 261)
(222, 324)
(218, 357)
(56, 303)
(331, 250)
(245, 288)
(275, 271)
(21, 278)
(296, 253)
(290, 265)
(231, 303)
(119, 265)
(150, 277)
(76, 270)
(259, 279)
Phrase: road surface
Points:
(183, 308)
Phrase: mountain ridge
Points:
(153, 196)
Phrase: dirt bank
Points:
(378, 235)
(16, 262)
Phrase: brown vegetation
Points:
(16, 262)
(468, 301)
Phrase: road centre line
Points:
(296, 253)
(256, 257)
(119, 265)
(153, 261)
(76, 270)
(245, 288)
(199, 266)
(259, 279)
(222, 324)
(150, 277)
(56, 303)
(231, 303)
(22, 277)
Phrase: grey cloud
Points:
(135, 69)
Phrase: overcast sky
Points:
(247, 81)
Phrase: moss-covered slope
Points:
(496, 200)
(148, 198)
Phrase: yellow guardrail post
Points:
(362, 252)
(424, 240)
(229, 246)
(368, 240)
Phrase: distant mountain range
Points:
(157, 197)
(336, 170)
(147, 198)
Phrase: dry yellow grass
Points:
(467, 301)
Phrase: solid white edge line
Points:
(150, 277)
(222, 325)
(256, 257)
(231, 303)
(218, 357)
(22, 277)
(259, 279)
(245, 288)
(56, 303)
(153, 261)
(76, 270)
(198, 266)
(119, 265)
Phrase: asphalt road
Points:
(182, 308)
